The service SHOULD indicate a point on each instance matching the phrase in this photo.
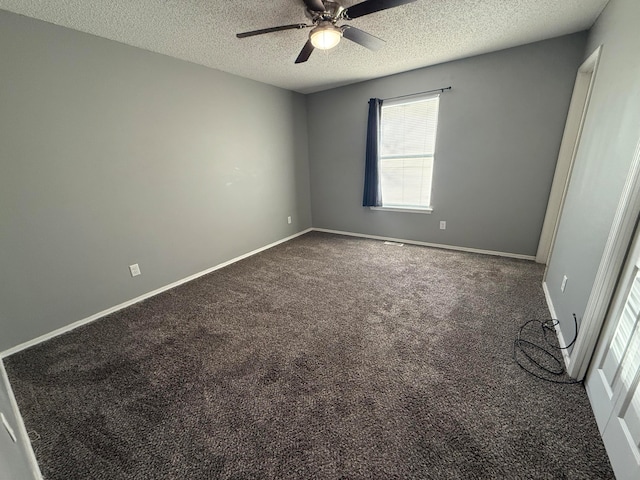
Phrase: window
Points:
(407, 148)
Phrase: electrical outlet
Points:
(563, 284)
(10, 431)
(135, 270)
(443, 225)
(289, 219)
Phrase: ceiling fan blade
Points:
(272, 29)
(372, 6)
(305, 53)
(314, 5)
(361, 37)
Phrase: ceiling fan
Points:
(324, 14)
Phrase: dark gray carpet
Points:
(326, 357)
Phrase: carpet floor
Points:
(326, 357)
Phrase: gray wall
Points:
(498, 139)
(14, 463)
(111, 155)
(610, 135)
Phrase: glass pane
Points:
(627, 323)
(631, 360)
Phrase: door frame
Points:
(585, 78)
(23, 443)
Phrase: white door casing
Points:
(582, 89)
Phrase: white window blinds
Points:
(407, 147)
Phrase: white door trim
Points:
(580, 98)
(611, 264)
(23, 436)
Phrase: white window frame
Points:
(403, 101)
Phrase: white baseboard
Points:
(84, 321)
(427, 244)
(561, 341)
(23, 436)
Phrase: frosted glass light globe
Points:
(325, 37)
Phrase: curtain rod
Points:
(442, 90)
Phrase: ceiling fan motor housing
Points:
(332, 13)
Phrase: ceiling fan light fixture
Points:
(325, 36)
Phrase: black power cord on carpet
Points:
(520, 344)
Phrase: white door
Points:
(614, 375)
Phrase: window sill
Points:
(426, 210)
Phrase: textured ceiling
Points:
(419, 34)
